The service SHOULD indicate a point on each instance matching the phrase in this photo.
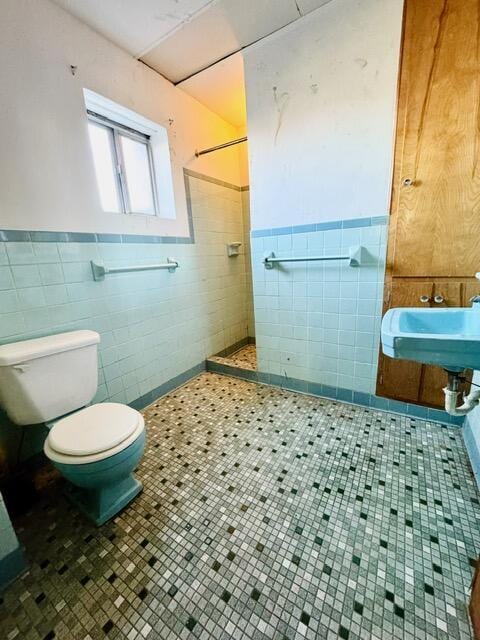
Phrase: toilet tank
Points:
(45, 378)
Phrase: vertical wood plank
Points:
(434, 379)
(400, 379)
(435, 220)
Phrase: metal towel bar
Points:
(354, 257)
(99, 270)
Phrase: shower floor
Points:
(244, 358)
(265, 514)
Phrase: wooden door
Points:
(401, 379)
(436, 183)
(435, 208)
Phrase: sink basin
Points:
(449, 338)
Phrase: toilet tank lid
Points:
(26, 350)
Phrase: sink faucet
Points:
(476, 299)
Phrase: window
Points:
(132, 163)
(123, 164)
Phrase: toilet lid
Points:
(94, 429)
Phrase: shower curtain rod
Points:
(220, 146)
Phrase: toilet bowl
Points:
(52, 380)
(96, 449)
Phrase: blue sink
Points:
(449, 338)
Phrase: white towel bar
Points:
(99, 270)
(354, 257)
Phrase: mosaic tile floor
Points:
(245, 358)
(265, 514)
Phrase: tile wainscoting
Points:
(471, 435)
(12, 560)
(320, 321)
(248, 260)
(155, 326)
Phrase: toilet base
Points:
(104, 503)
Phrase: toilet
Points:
(96, 447)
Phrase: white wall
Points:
(321, 99)
(46, 173)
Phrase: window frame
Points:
(115, 130)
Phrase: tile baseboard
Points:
(336, 393)
(472, 450)
(166, 387)
(11, 566)
(224, 353)
(182, 378)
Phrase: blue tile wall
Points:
(248, 260)
(353, 223)
(472, 440)
(154, 325)
(12, 561)
(320, 321)
(471, 435)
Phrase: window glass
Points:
(101, 140)
(138, 177)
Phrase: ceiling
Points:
(223, 27)
(136, 26)
(180, 38)
(221, 88)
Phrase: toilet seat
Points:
(94, 433)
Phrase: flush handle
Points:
(408, 182)
(21, 367)
(424, 299)
(439, 299)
